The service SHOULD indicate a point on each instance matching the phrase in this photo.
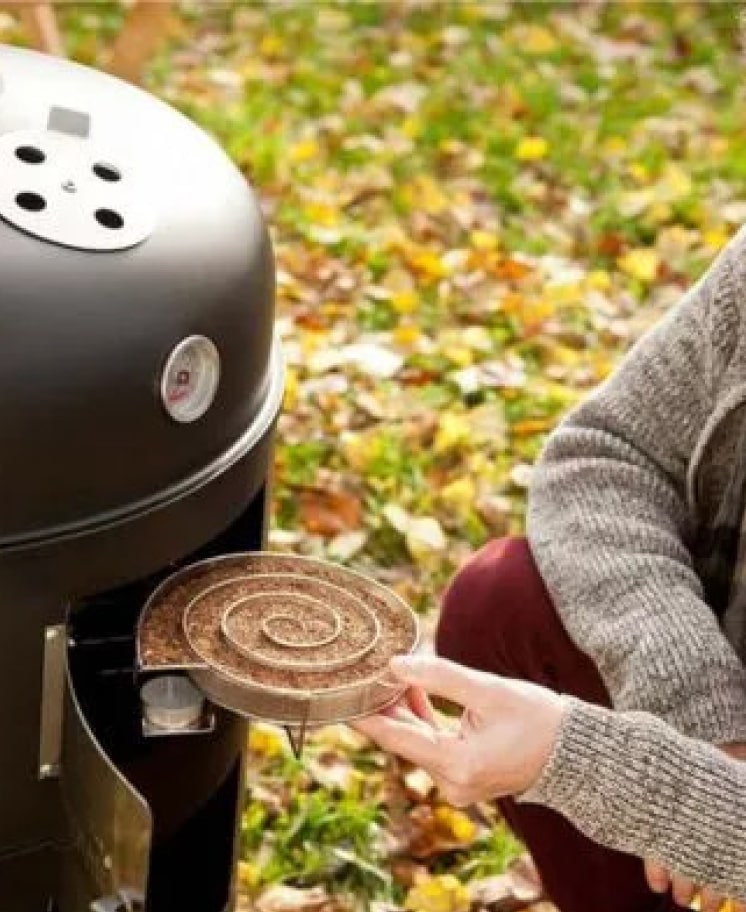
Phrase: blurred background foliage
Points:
(477, 207)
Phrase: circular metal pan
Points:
(291, 640)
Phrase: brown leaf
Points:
(611, 244)
(407, 872)
(432, 833)
(509, 892)
(330, 513)
(332, 770)
(281, 898)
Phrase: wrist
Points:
(549, 726)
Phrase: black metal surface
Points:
(102, 493)
(184, 779)
(82, 427)
(192, 784)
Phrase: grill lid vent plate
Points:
(67, 190)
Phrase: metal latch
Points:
(52, 701)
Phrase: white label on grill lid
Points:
(190, 379)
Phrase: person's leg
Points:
(497, 616)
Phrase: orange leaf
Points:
(512, 270)
(329, 513)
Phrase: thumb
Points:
(441, 677)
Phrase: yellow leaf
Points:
(412, 127)
(564, 293)
(291, 388)
(456, 824)
(531, 148)
(460, 493)
(265, 741)
(444, 893)
(248, 875)
(676, 182)
(425, 194)
(480, 463)
(639, 172)
(453, 430)
(427, 263)
(322, 214)
(641, 263)
(460, 355)
(602, 366)
(304, 150)
(404, 302)
(271, 45)
(599, 280)
(659, 212)
(530, 426)
(614, 145)
(483, 240)
(311, 341)
(356, 449)
(538, 40)
(407, 335)
(715, 238)
(718, 145)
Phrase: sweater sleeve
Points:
(630, 781)
(608, 521)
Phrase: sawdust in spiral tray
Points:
(334, 624)
(163, 642)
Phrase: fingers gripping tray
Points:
(290, 640)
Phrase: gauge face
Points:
(190, 379)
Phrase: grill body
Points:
(108, 484)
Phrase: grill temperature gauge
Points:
(190, 379)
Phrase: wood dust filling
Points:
(163, 642)
(309, 613)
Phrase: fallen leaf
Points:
(424, 535)
(641, 263)
(329, 513)
(281, 898)
(333, 770)
(531, 148)
(347, 544)
(443, 893)
(418, 784)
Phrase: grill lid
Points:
(136, 317)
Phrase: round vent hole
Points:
(31, 202)
(31, 155)
(109, 219)
(107, 172)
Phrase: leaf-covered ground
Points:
(476, 208)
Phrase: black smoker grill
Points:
(139, 387)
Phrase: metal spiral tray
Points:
(291, 640)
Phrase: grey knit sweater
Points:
(635, 518)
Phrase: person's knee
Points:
(495, 597)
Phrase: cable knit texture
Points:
(635, 516)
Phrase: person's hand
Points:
(505, 737)
(683, 890)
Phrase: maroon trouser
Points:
(497, 616)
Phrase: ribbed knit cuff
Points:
(635, 784)
(565, 772)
